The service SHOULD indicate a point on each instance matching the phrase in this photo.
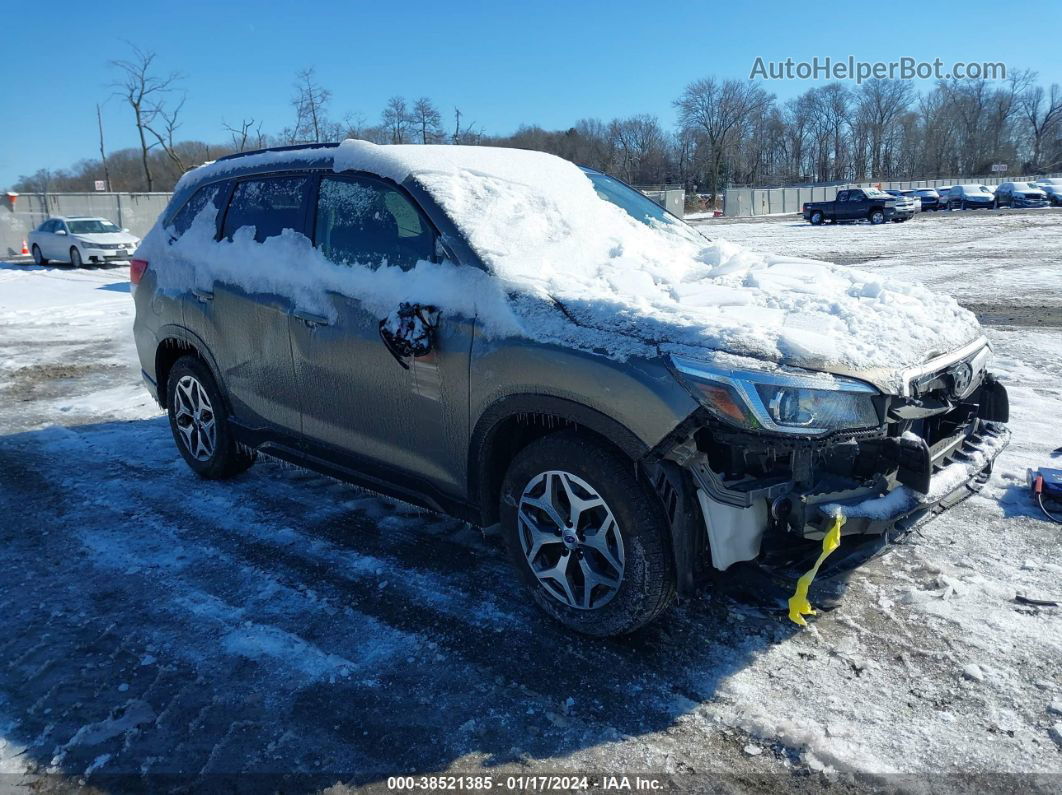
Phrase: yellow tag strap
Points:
(799, 606)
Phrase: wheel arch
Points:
(513, 422)
(174, 343)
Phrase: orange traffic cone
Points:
(25, 249)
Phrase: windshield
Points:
(975, 189)
(636, 204)
(1025, 186)
(874, 192)
(927, 193)
(91, 226)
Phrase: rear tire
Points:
(633, 582)
(199, 422)
(816, 218)
(75, 257)
(38, 258)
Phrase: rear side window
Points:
(208, 194)
(269, 205)
(361, 221)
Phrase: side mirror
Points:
(409, 331)
(60, 231)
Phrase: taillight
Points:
(136, 270)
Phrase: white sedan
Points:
(80, 240)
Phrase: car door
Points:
(58, 241)
(854, 207)
(400, 416)
(840, 206)
(43, 238)
(242, 310)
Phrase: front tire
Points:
(75, 257)
(38, 258)
(876, 217)
(198, 421)
(588, 538)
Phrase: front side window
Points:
(92, 226)
(855, 196)
(208, 194)
(270, 205)
(364, 222)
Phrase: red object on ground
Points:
(25, 250)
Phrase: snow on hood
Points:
(572, 268)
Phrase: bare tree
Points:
(166, 121)
(718, 110)
(243, 134)
(1043, 112)
(639, 142)
(311, 106)
(146, 94)
(396, 119)
(427, 120)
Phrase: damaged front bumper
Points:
(758, 496)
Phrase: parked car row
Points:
(80, 240)
(877, 206)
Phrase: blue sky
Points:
(502, 63)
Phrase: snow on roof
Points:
(560, 253)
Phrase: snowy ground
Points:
(154, 623)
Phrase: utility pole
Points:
(103, 155)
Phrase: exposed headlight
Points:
(811, 404)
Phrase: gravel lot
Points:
(163, 631)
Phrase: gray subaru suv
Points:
(513, 340)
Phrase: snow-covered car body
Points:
(756, 396)
(81, 239)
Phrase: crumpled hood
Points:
(783, 311)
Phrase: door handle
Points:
(202, 295)
(310, 319)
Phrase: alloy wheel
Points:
(570, 540)
(195, 419)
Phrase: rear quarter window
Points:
(208, 194)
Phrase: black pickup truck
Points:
(857, 204)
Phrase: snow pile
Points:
(562, 254)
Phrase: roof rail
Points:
(291, 148)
